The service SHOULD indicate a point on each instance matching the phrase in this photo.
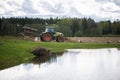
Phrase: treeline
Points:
(69, 26)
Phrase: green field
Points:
(16, 51)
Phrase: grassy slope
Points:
(14, 52)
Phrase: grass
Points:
(15, 51)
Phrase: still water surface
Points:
(75, 64)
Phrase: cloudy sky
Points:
(96, 9)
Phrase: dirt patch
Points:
(94, 39)
(40, 52)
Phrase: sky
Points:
(95, 9)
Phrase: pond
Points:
(74, 64)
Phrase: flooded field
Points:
(74, 64)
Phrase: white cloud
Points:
(2, 11)
(70, 8)
(86, 7)
(109, 9)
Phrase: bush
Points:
(78, 34)
(40, 51)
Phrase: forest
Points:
(70, 27)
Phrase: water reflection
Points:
(40, 60)
(75, 64)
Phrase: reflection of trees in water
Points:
(109, 50)
(53, 58)
(39, 60)
(49, 59)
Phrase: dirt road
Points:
(95, 39)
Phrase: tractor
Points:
(51, 34)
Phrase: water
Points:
(75, 64)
